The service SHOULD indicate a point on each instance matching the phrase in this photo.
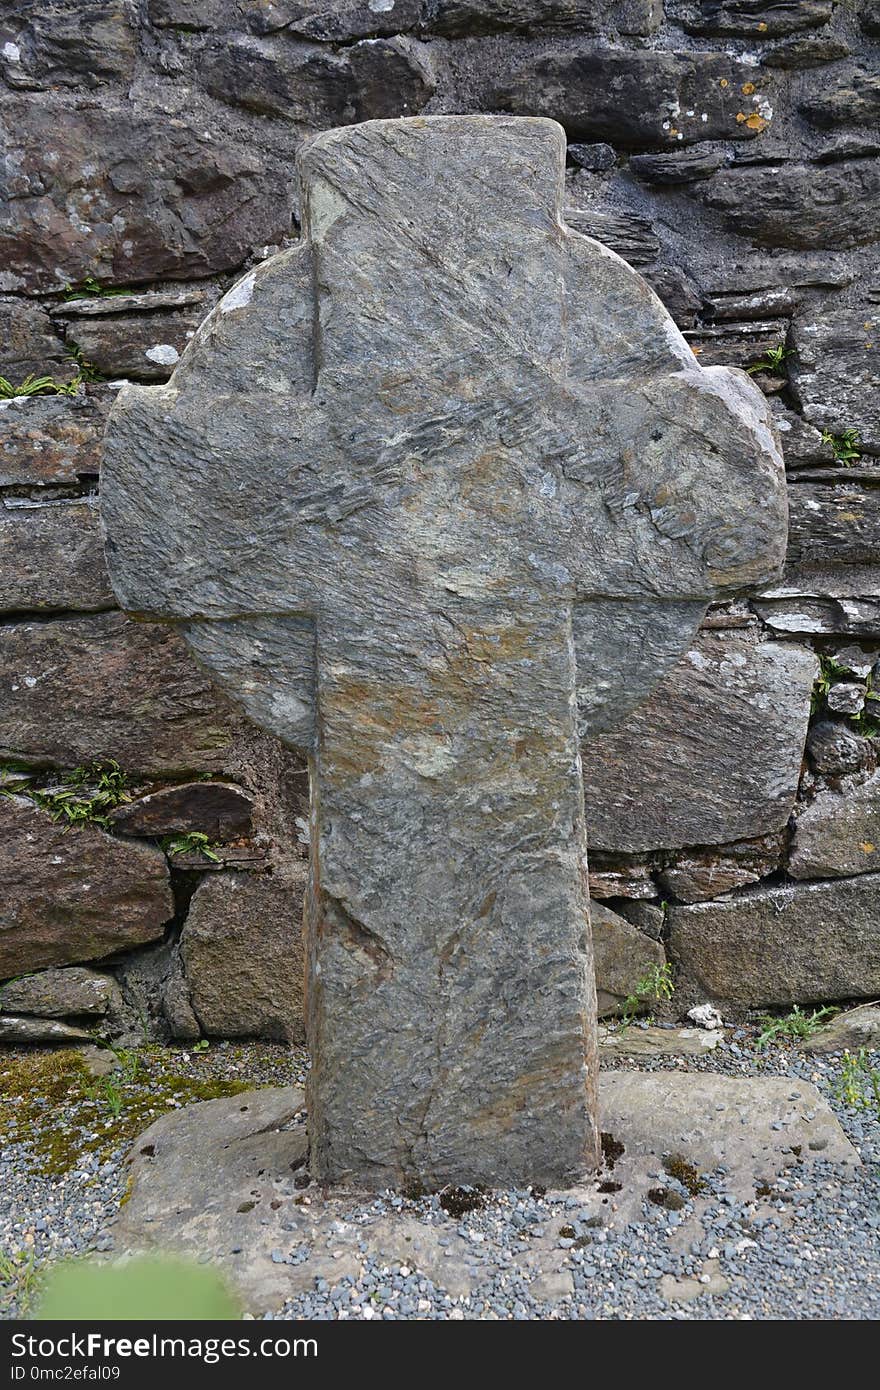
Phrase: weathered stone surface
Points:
(802, 444)
(732, 614)
(447, 835)
(835, 372)
(677, 166)
(51, 557)
(632, 237)
(850, 1030)
(806, 52)
(29, 346)
(762, 19)
(40, 1030)
(584, 16)
(738, 344)
(768, 302)
(734, 714)
(635, 99)
(838, 833)
(634, 882)
(747, 273)
(177, 1006)
(317, 86)
(74, 992)
(798, 608)
(73, 895)
(340, 20)
(755, 1129)
(596, 159)
(194, 14)
(327, 20)
(694, 877)
(243, 956)
(622, 956)
(68, 42)
(846, 697)
(248, 856)
(156, 997)
(803, 206)
(220, 810)
(648, 917)
(790, 945)
(676, 292)
(219, 1176)
(869, 16)
(51, 440)
(853, 100)
(857, 660)
(145, 346)
(170, 199)
(644, 1041)
(102, 687)
(838, 524)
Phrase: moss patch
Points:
(678, 1167)
(50, 1103)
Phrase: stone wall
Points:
(729, 150)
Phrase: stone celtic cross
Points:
(433, 494)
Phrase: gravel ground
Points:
(60, 1189)
(809, 1247)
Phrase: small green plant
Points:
(859, 1082)
(107, 1091)
(771, 361)
(85, 795)
(201, 1046)
(794, 1025)
(86, 370)
(13, 779)
(90, 288)
(655, 986)
(37, 386)
(129, 1062)
(864, 722)
(193, 842)
(18, 1279)
(844, 446)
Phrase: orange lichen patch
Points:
(756, 122)
(747, 88)
(724, 82)
(395, 392)
(484, 481)
(696, 350)
(866, 847)
(762, 26)
(544, 1078)
(383, 706)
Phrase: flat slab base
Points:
(639, 1041)
(224, 1182)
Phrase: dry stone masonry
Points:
(149, 154)
(470, 494)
